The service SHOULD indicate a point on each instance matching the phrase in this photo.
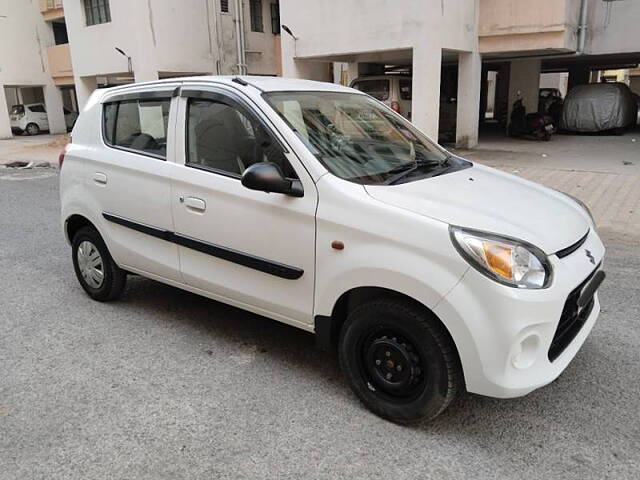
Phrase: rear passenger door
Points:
(129, 178)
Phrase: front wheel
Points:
(399, 360)
(98, 274)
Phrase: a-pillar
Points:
(524, 82)
(5, 123)
(84, 88)
(469, 84)
(425, 103)
(54, 107)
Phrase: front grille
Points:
(572, 319)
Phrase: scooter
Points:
(530, 125)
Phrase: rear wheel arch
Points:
(74, 223)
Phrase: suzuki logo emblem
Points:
(590, 257)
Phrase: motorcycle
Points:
(537, 126)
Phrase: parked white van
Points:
(315, 205)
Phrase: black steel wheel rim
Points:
(391, 365)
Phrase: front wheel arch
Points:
(328, 328)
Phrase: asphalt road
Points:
(165, 384)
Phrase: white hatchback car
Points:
(315, 205)
(33, 119)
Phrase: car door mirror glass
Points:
(267, 177)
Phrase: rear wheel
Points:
(399, 360)
(98, 274)
(32, 129)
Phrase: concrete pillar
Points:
(84, 88)
(352, 68)
(53, 105)
(524, 82)
(5, 123)
(468, 113)
(578, 75)
(425, 103)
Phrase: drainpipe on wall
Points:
(582, 27)
(239, 21)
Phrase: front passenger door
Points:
(246, 247)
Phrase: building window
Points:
(275, 19)
(256, 15)
(224, 6)
(97, 11)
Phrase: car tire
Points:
(32, 129)
(98, 274)
(399, 360)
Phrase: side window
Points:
(37, 109)
(138, 125)
(223, 138)
(378, 89)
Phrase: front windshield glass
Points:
(356, 137)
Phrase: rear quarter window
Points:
(378, 89)
(139, 125)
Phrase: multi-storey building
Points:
(458, 48)
(80, 45)
(470, 58)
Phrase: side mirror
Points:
(267, 177)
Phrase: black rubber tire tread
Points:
(26, 129)
(115, 278)
(438, 396)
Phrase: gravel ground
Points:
(165, 384)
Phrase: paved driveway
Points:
(165, 384)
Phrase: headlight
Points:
(506, 260)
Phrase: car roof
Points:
(264, 83)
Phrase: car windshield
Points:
(356, 137)
(17, 110)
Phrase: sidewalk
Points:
(38, 149)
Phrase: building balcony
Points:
(60, 64)
(51, 9)
(507, 26)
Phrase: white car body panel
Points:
(486, 199)
(395, 237)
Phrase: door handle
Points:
(194, 203)
(100, 178)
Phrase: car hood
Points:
(485, 199)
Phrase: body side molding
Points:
(245, 259)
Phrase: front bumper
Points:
(504, 334)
